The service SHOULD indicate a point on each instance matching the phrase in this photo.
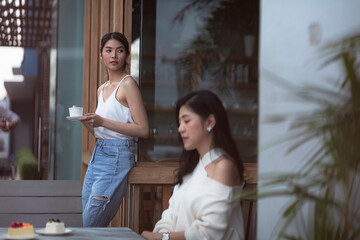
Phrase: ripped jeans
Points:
(106, 179)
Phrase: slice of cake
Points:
(55, 226)
(19, 229)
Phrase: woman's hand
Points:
(151, 235)
(92, 120)
(7, 127)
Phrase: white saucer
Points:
(73, 118)
(42, 232)
(6, 236)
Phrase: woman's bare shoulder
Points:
(129, 81)
(226, 172)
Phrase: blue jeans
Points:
(106, 177)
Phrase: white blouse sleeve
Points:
(213, 219)
(166, 223)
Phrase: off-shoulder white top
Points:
(203, 207)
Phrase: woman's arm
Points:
(166, 223)
(213, 221)
(140, 126)
(8, 114)
(157, 236)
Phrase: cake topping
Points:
(54, 220)
(16, 224)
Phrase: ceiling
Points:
(25, 23)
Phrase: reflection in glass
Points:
(190, 45)
(10, 74)
(26, 26)
(44, 145)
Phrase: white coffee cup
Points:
(75, 111)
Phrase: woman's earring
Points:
(208, 129)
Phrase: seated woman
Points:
(204, 204)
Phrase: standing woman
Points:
(119, 119)
(210, 176)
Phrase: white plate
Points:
(42, 232)
(75, 118)
(6, 236)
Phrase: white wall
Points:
(286, 50)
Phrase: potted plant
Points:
(329, 180)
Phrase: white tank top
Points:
(113, 110)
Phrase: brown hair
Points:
(204, 103)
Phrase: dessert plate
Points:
(6, 236)
(42, 232)
(73, 118)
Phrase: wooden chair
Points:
(162, 174)
(37, 201)
(249, 206)
(249, 209)
(145, 174)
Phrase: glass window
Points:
(43, 45)
(69, 88)
(187, 45)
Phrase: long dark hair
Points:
(117, 36)
(204, 103)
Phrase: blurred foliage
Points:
(27, 164)
(220, 41)
(324, 193)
